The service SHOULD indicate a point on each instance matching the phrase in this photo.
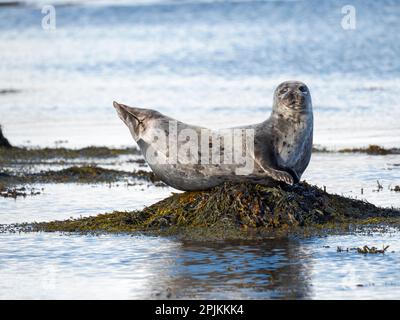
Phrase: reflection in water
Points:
(59, 266)
(43, 266)
(249, 269)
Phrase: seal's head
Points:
(292, 98)
(134, 118)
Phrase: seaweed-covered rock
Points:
(80, 174)
(237, 207)
(4, 143)
(372, 149)
(17, 154)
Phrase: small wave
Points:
(9, 91)
(128, 2)
(11, 3)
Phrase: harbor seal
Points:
(189, 157)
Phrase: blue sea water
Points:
(212, 63)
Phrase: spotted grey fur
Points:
(282, 143)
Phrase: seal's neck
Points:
(291, 127)
(291, 135)
(291, 116)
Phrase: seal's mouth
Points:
(297, 102)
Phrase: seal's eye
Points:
(303, 89)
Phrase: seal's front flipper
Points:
(294, 174)
(278, 175)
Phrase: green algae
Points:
(366, 249)
(86, 173)
(320, 149)
(234, 211)
(78, 174)
(372, 149)
(16, 153)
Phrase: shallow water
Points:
(357, 176)
(212, 63)
(62, 201)
(124, 267)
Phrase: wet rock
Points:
(396, 189)
(4, 143)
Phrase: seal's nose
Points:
(296, 93)
(121, 111)
(292, 94)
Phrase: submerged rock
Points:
(230, 210)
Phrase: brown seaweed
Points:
(231, 210)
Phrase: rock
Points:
(230, 210)
(79, 174)
(4, 143)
